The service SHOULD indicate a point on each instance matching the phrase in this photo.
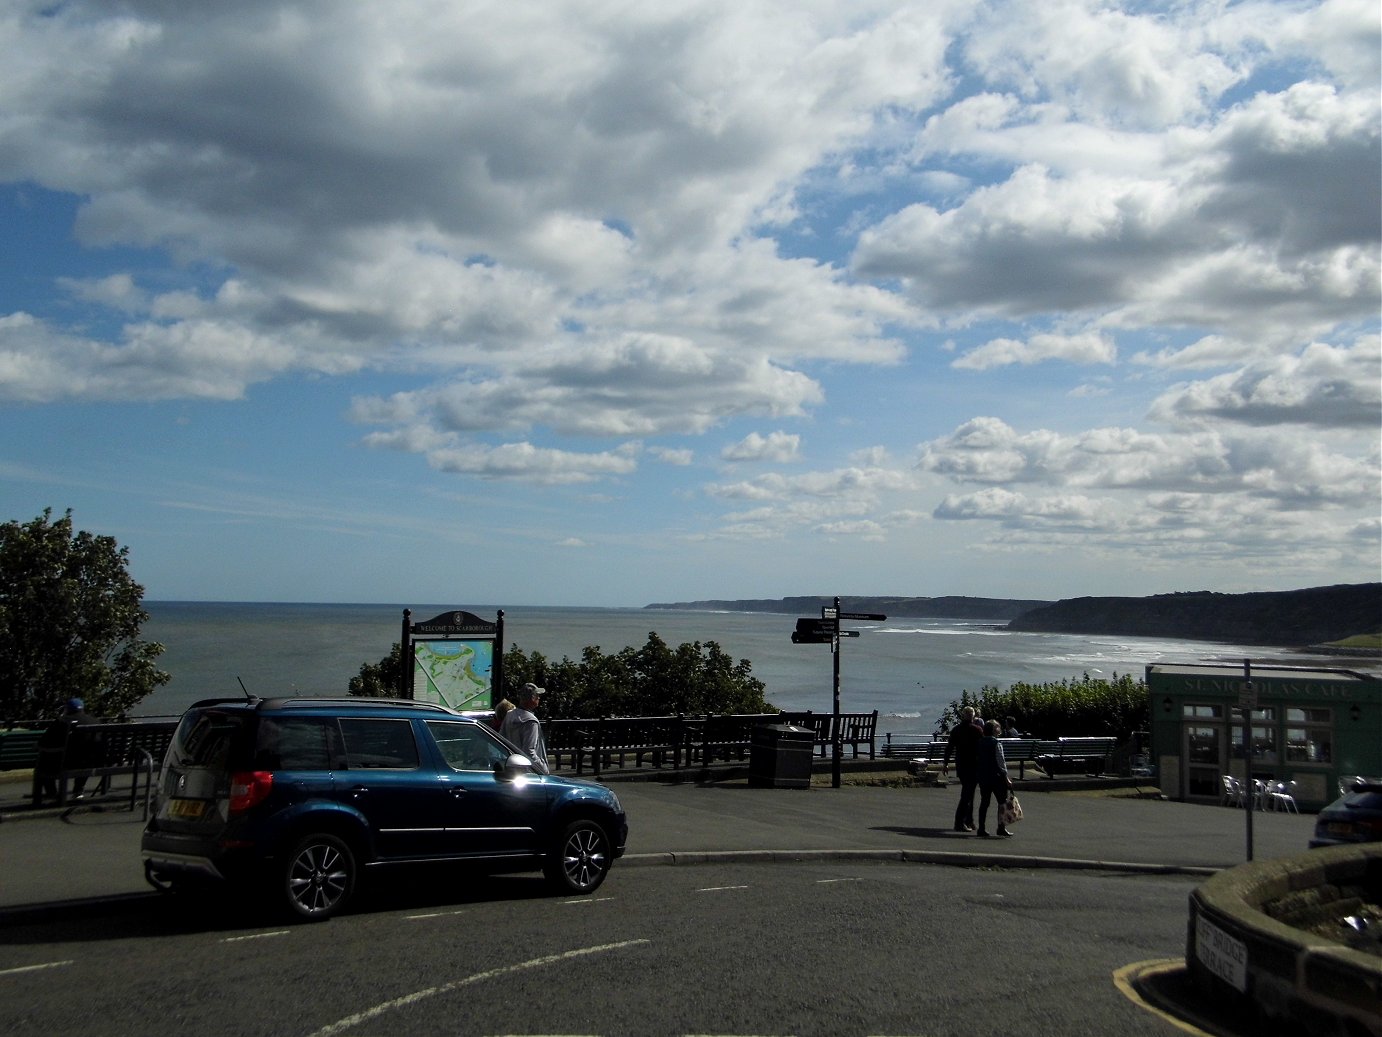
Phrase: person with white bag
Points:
(994, 783)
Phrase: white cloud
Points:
(1324, 386)
(1085, 348)
(777, 447)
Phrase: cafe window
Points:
(1202, 712)
(1264, 748)
(1309, 736)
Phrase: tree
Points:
(70, 617)
(1088, 706)
(380, 680)
(653, 680)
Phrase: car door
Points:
(394, 786)
(487, 814)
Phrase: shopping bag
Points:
(1010, 812)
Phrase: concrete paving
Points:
(50, 857)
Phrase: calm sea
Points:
(907, 669)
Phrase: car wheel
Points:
(580, 860)
(318, 877)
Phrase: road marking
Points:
(826, 882)
(36, 968)
(1124, 979)
(478, 977)
(718, 889)
(255, 936)
(588, 900)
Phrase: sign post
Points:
(826, 630)
(455, 659)
(1247, 702)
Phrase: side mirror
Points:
(515, 766)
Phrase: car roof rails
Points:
(356, 701)
(237, 701)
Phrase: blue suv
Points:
(301, 795)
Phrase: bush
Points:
(655, 680)
(1068, 708)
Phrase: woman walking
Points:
(994, 782)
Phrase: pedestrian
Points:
(1010, 728)
(501, 710)
(522, 727)
(52, 752)
(994, 782)
(963, 744)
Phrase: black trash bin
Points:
(780, 756)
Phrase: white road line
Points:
(36, 968)
(478, 977)
(255, 936)
(589, 900)
(718, 889)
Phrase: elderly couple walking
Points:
(979, 760)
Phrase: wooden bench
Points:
(607, 741)
(1084, 755)
(19, 749)
(1053, 756)
(858, 730)
(104, 751)
(725, 736)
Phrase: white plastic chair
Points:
(1233, 792)
(1283, 796)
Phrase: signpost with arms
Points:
(826, 631)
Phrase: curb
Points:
(948, 858)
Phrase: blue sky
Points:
(598, 303)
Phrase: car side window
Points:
(466, 747)
(379, 744)
(296, 744)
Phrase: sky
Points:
(604, 304)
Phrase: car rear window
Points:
(211, 739)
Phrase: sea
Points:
(908, 669)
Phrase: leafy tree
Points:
(70, 617)
(695, 677)
(380, 680)
(652, 680)
(1069, 708)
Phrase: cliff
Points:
(1298, 618)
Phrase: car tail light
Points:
(249, 788)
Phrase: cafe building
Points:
(1315, 727)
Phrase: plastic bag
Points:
(1010, 812)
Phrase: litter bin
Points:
(780, 756)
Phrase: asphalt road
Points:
(835, 947)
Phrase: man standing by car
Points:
(522, 728)
(963, 743)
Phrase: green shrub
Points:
(1061, 709)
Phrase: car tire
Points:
(317, 877)
(580, 860)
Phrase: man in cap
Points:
(522, 728)
(53, 756)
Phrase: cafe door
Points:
(1204, 750)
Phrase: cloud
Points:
(1324, 386)
(778, 447)
(1274, 466)
(524, 462)
(1086, 348)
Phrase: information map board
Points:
(455, 659)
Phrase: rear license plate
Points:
(190, 809)
(1339, 828)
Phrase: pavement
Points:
(87, 853)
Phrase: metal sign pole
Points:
(1247, 701)
(835, 720)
